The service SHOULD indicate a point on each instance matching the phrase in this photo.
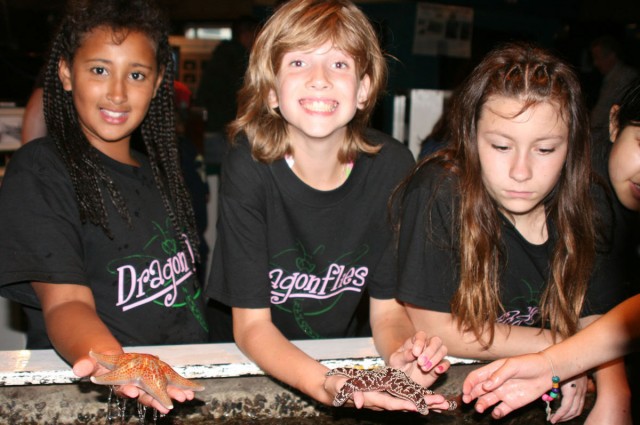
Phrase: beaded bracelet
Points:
(555, 387)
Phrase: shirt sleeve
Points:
(427, 264)
(39, 225)
(384, 279)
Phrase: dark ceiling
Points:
(25, 25)
(587, 10)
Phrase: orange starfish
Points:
(145, 371)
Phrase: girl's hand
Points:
(421, 358)
(132, 391)
(512, 383)
(87, 366)
(507, 383)
(572, 400)
(375, 400)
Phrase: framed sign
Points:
(443, 30)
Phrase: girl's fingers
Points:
(86, 366)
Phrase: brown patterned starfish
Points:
(393, 381)
(143, 370)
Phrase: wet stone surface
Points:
(236, 401)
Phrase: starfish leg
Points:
(154, 383)
(351, 386)
(124, 375)
(176, 380)
(112, 361)
(401, 386)
(349, 372)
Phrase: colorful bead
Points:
(555, 387)
(555, 390)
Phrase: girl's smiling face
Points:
(624, 164)
(318, 93)
(113, 81)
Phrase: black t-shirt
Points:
(143, 282)
(429, 262)
(309, 255)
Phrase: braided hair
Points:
(92, 185)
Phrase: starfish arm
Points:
(416, 397)
(109, 361)
(128, 374)
(179, 381)
(341, 397)
(349, 372)
(366, 382)
(345, 393)
(400, 385)
(157, 389)
(113, 379)
(422, 406)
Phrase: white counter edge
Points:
(196, 361)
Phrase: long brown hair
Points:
(532, 75)
(299, 25)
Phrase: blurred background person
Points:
(606, 54)
(220, 82)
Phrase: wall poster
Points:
(443, 30)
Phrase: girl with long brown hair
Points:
(497, 240)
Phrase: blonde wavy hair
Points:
(303, 25)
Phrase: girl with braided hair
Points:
(497, 233)
(97, 238)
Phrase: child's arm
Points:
(390, 325)
(402, 347)
(73, 325)
(508, 340)
(74, 328)
(517, 381)
(262, 342)
(613, 400)
(613, 396)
